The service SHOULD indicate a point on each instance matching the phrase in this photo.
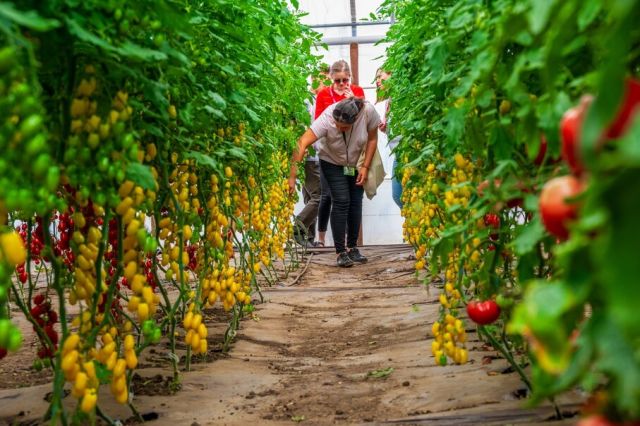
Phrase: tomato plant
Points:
(142, 177)
(479, 83)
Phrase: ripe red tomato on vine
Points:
(483, 313)
(555, 208)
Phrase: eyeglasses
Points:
(341, 80)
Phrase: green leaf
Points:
(589, 10)
(128, 49)
(380, 373)
(218, 100)
(134, 51)
(502, 143)
(619, 359)
(616, 253)
(215, 112)
(629, 146)
(528, 237)
(539, 14)
(102, 373)
(141, 175)
(251, 113)
(238, 153)
(202, 159)
(29, 19)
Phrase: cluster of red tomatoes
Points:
(558, 206)
(46, 318)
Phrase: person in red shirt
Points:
(340, 88)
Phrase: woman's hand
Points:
(292, 184)
(348, 93)
(363, 174)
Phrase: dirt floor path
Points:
(338, 347)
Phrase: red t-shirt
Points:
(327, 96)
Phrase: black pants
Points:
(324, 209)
(346, 210)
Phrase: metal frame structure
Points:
(354, 40)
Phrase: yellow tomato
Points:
(89, 400)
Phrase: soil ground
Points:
(335, 346)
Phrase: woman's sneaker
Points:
(344, 261)
(355, 256)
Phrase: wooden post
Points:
(353, 53)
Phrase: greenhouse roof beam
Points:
(351, 24)
(368, 39)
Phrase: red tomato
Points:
(492, 220)
(630, 106)
(53, 335)
(483, 312)
(556, 211)
(570, 129)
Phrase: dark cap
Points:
(347, 110)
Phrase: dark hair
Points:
(347, 110)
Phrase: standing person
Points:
(382, 106)
(305, 229)
(348, 128)
(340, 88)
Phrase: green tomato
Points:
(31, 125)
(504, 302)
(41, 165)
(120, 175)
(150, 245)
(30, 105)
(37, 365)
(133, 153)
(7, 58)
(128, 140)
(443, 360)
(53, 178)
(157, 335)
(118, 128)
(101, 198)
(15, 340)
(103, 164)
(142, 236)
(147, 327)
(5, 332)
(20, 91)
(70, 155)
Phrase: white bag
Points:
(375, 175)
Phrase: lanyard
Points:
(346, 144)
(333, 98)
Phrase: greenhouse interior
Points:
(273, 212)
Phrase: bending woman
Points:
(348, 128)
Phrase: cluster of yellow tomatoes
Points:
(433, 199)
(449, 341)
(197, 332)
(143, 302)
